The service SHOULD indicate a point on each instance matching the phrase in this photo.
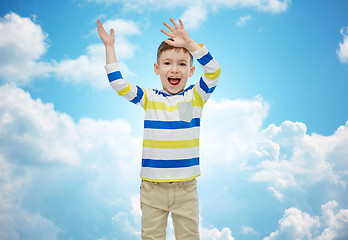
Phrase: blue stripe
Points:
(160, 93)
(139, 96)
(180, 163)
(205, 87)
(189, 88)
(205, 59)
(170, 95)
(195, 122)
(114, 76)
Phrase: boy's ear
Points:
(156, 68)
(192, 71)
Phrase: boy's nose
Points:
(174, 68)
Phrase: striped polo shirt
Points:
(172, 121)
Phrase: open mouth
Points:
(174, 81)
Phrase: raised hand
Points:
(108, 39)
(109, 42)
(180, 36)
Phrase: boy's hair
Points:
(164, 47)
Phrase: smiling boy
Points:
(170, 159)
(174, 69)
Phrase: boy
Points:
(170, 161)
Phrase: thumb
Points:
(112, 32)
(170, 42)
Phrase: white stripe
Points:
(112, 67)
(200, 52)
(210, 82)
(169, 173)
(162, 115)
(171, 135)
(211, 67)
(170, 154)
(132, 93)
(119, 84)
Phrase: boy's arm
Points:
(207, 83)
(131, 92)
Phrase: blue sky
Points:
(273, 138)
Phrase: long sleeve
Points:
(207, 83)
(131, 92)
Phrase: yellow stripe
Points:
(213, 75)
(145, 99)
(170, 180)
(124, 91)
(160, 106)
(148, 143)
(197, 101)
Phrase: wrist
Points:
(193, 46)
(109, 46)
(110, 54)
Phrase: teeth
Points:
(174, 81)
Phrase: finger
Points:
(167, 33)
(168, 26)
(99, 24)
(181, 24)
(174, 23)
(112, 32)
(170, 42)
(100, 27)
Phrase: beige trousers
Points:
(157, 199)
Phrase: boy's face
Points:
(174, 68)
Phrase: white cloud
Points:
(22, 44)
(295, 224)
(15, 222)
(194, 16)
(214, 233)
(89, 68)
(45, 156)
(342, 52)
(242, 21)
(86, 69)
(334, 222)
(274, 6)
(292, 158)
(246, 230)
(32, 132)
(197, 11)
(284, 157)
(122, 221)
(206, 233)
(230, 132)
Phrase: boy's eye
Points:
(166, 63)
(183, 64)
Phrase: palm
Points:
(178, 34)
(108, 39)
(180, 37)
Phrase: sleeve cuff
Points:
(111, 67)
(201, 52)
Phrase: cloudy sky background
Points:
(274, 136)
